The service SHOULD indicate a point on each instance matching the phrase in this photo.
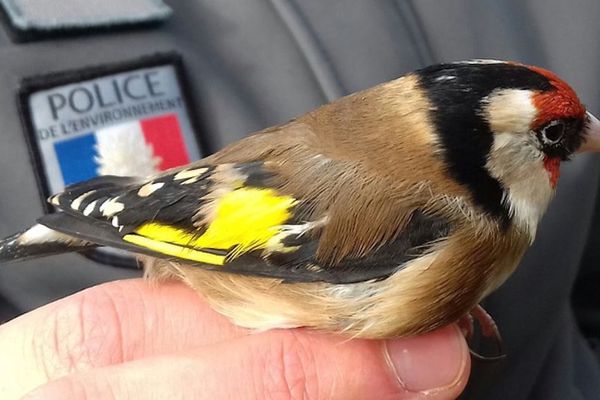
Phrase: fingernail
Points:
(428, 362)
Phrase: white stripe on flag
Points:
(122, 150)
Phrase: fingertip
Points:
(436, 364)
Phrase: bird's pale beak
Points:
(592, 136)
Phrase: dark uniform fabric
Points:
(256, 63)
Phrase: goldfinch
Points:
(390, 212)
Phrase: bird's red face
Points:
(562, 102)
(560, 114)
(504, 128)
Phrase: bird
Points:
(389, 212)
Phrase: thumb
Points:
(436, 364)
(284, 365)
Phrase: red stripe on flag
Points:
(167, 142)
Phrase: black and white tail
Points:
(39, 241)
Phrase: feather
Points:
(39, 241)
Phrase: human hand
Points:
(134, 340)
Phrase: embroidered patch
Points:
(41, 19)
(130, 119)
(141, 148)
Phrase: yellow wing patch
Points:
(245, 220)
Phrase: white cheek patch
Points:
(509, 110)
(519, 166)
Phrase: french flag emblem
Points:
(136, 148)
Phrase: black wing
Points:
(230, 217)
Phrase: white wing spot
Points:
(189, 173)
(55, 200)
(187, 182)
(149, 188)
(90, 208)
(445, 78)
(111, 206)
(75, 204)
(115, 221)
(481, 61)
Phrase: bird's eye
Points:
(553, 132)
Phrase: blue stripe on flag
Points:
(76, 158)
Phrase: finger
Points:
(104, 325)
(284, 365)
